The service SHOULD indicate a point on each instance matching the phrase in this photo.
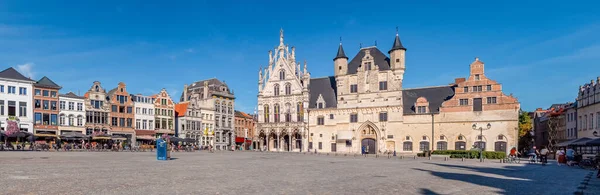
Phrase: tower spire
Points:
(397, 43)
(340, 52)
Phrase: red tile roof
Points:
(181, 109)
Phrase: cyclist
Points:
(544, 155)
(513, 154)
(533, 154)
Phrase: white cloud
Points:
(190, 50)
(26, 69)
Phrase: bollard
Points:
(445, 158)
(463, 159)
(429, 157)
(415, 157)
(376, 155)
(401, 157)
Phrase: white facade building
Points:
(144, 112)
(16, 96)
(72, 113)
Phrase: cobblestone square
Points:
(271, 173)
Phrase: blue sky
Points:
(540, 51)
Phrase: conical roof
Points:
(340, 53)
(397, 44)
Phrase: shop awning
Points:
(145, 137)
(239, 140)
(344, 135)
(580, 142)
(595, 142)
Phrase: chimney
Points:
(538, 109)
(459, 80)
(205, 96)
(185, 89)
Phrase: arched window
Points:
(276, 109)
(300, 112)
(480, 144)
(460, 145)
(423, 145)
(266, 113)
(288, 89)
(442, 145)
(62, 119)
(500, 146)
(407, 146)
(71, 120)
(282, 75)
(276, 90)
(288, 113)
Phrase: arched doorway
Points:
(368, 138)
(369, 145)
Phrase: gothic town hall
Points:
(363, 106)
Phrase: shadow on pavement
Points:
(427, 192)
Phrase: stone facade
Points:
(97, 110)
(363, 107)
(283, 97)
(216, 102)
(46, 108)
(72, 113)
(588, 109)
(164, 113)
(188, 119)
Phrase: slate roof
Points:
(379, 57)
(214, 85)
(434, 95)
(325, 86)
(47, 83)
(71, 95)
(397, 44)
(340, 53)
(11, 73)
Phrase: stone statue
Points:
(270, 57)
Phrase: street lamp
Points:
(481, 136)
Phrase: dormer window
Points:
(421, 109)
(320, 102)
(421, 106)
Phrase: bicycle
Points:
(588, 163)
(513, 159)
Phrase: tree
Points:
(525, 126)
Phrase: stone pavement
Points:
(272, 173)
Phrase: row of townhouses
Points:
(364, 108)
(563, 123)
(204, 114)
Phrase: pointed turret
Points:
(397, 54)
(340, 62)
(397, 44)
(340, 53)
